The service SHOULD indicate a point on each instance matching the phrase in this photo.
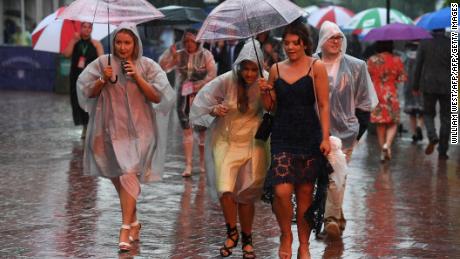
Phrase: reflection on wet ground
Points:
(406, 208)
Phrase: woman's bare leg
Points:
(229, 208)
(282, 206)
(188, 151)
(201, 148)
(246, 216)
(128, 208)
(304, 194)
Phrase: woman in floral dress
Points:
(386, 70)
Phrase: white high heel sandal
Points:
(135, 224)
(124, 246)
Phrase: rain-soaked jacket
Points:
(126, 132)
(351, 91)
(236, 162)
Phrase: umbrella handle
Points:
(257, 57)
(116, 76)
(114, 81)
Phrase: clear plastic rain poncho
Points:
(350, 88)
(126, 134)
(198, 68)
(235, 161)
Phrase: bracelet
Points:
(102, 79)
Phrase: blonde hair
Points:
(135, 41)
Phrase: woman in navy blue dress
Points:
(300, 138)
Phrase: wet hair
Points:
(135, 40)
(191, 30)
(242, 93)
(298, 28)
(384, 46)
(91, 24)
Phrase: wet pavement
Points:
(407, 208)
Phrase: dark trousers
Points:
(429, 114)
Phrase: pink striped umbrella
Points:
(53, 34)
(335, 14)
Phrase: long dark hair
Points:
(242, 91)
(384, 46)
(298, 28)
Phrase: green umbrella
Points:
(376, 17)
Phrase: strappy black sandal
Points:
(226, 251)
(247, 241)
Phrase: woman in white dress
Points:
(236, 162)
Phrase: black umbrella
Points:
(180, 15)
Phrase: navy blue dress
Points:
(296, 157)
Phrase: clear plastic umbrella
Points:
(118, 11)
(111, 12)
(240, 19)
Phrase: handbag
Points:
(265, 128)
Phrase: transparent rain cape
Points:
(352, 89)
(235, 161)
(126, 133)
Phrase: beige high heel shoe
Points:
(124, 246)
(135, 224)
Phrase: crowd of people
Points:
(319, 100)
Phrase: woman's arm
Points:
(101, 82)
(150, 92)
(267, 92)
(322, 96)
(168, 60)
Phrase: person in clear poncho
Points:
(194, 67)
(128, 105)
(351, 99)
(236, 162)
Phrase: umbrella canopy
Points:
(53, 35)
(435, 20)
(310, 9)
(336, 14)
(374, 18)
(239, 19)
(180, 15)
(397, 31)
(117, 11)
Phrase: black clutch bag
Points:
(265, 127)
